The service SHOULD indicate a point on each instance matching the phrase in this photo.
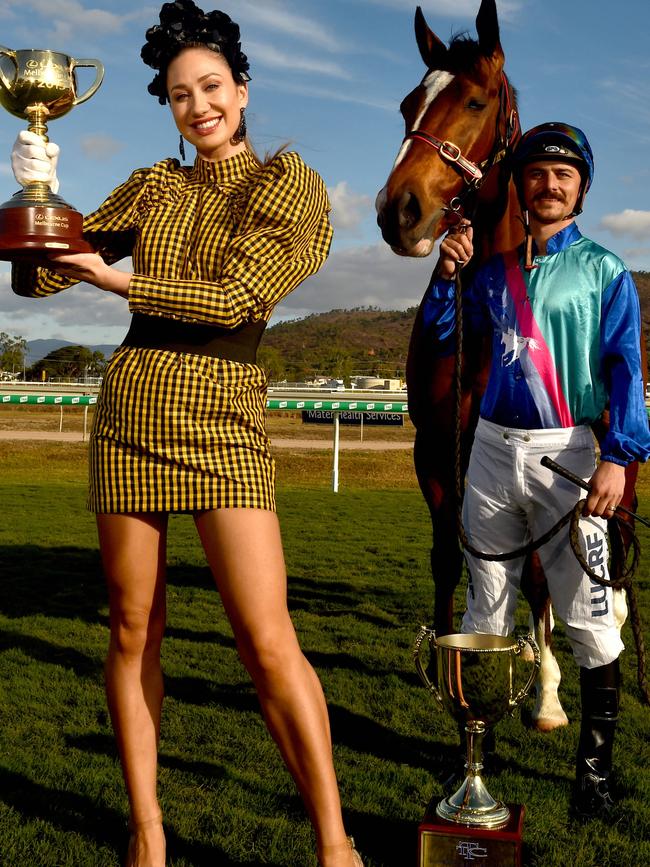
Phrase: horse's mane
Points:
(463, 53)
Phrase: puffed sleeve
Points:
(109, 230)
(283, 237)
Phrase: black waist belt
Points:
(233, 344)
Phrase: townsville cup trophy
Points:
(38, 86)
(476, 685)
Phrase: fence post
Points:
(335, 472)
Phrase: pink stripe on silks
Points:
(540, 358)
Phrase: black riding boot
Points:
(599, 696)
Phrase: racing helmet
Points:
(555, 141)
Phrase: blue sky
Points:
(328, 76)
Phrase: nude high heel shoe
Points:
(356, 858)
(134, 829)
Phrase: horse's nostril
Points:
(409, 210)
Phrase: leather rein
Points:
(475, 173)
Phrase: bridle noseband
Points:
(475, 173)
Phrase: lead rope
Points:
(621, 574)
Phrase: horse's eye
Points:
(475, 105)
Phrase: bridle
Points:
(508, 132)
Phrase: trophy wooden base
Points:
(447, 843)
(29, 233)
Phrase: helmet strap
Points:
(528, 261)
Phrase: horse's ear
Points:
(432, 50)
(487, 27)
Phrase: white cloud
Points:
(632, 254)
(66, 16)
(359, 277)
(315, 92)
(628, 96)
(63, 313)
(268, 55)
(278, 17)
(100, 146)
(348, 208)
(628, 222)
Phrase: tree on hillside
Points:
(69, 362)
(272, 361)
(12, 353)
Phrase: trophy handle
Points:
(430, 636)
(98, 66)
(521, 643)
(12, 56)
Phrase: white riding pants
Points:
(509, 500)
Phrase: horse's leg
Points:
(547, 713)
(446, 569)
(446, 557)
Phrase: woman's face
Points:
(206, 102)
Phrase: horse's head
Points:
(459, 120)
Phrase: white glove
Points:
(33, 160)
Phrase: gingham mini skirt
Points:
(176, 432)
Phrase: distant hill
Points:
(362, 341)
(37, 349)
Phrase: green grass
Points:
(359, 588)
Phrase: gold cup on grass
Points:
(476, 685)
(39, 86)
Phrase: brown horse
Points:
(461, 124)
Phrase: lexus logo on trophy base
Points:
(476, 684)
(39, 86)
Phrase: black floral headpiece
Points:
(183, 24)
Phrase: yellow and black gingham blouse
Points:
(218, 243)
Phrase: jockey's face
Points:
(550, 190)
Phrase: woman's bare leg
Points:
(244, 549)
(133, 554)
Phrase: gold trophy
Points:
(39, 86)
(476, 685)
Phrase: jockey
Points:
(563, 315)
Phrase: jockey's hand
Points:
(456, 249)
(32, 159)
(606, 488)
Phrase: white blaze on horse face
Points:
(434, 82)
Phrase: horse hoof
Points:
(548, 724)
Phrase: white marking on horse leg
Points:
(547, 713)
(620, 608)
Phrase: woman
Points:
(180, 420)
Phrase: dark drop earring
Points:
(181, 147)
(240, 135)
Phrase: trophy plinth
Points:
(442, 843)
(476, 684)
(29, 226)
(39, 86)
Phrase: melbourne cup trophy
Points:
(476, 685)
(39, 86)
